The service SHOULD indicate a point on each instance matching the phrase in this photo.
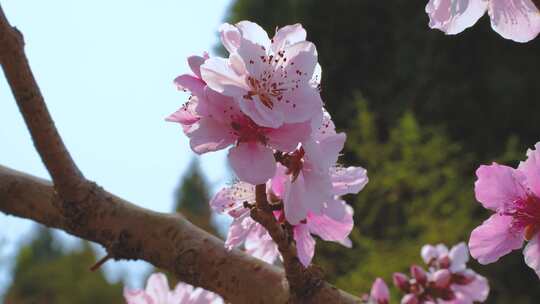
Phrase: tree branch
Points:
(302, 282)
(167, 241)
(68, 179)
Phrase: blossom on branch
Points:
(518, 20)
(157, 292)
(514, 196)
(447, 280)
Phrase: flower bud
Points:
(409, 299)
(419, 274)
(442, 278)
(401, 281)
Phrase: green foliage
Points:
(192, 197)
(44, 274)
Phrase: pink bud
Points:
(380, 292)
(409, 299)
(401, 281)
(419, 274)
(444, 262)
(442, 278)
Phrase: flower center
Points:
(294, 162)
(247, 131)
(526, 215)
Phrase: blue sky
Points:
(105, 69)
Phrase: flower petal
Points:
(459, 255)
(261, 114)
(157, 288)
(454, 16)
(209, 135)
(348, 180)
(428, 253)
(288, 35)
(329, 229)
(254, 33)
(252, 162)
(497, 186)
(518, 20)
(220, 76)
(187, 82)
(294, 200)
(195, 63)
(475, 291)
(260, 245)
(230, 37)
(532, 254)
(287, 137)
(239, 230)
(137, 297)
(494, 239)
(531, 169)
(380, 292)
(305, 244)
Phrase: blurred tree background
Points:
(46, 274)
(422, 110)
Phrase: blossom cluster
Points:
(518, 20)
(447, 280)
(264, 102)
(157, 292)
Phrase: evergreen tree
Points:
(44, 274)
(192, 198)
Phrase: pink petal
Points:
(324, 154)
(254, 33)
(209, 135)
(239, 229)
(230, 37)
(278, 181)
(518, 20)
(476, 291)
(348, 180)
(181, 293)
(218, 106)
(498, 186)
(261, 114)
(428, 253)
(287, 137)
(318, 187)
(260, 245)
(189, 83)
(335, 209)
(494, 239)
(157, 287)
(329, 229)
(195, 63)
(532, 254)
(305, 244)
(137, 297)
(220, 76)
(294, 200)
(301, 104)
(326, 128)
(185, 115)
(459, 255)
(252, 163)
(254, 59)
(453, 16)
(379, 292)
(288, 35)
(531, 169)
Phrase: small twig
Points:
(99, 263)
(302, 281)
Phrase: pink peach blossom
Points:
(379, 293)
(157, 292)
(273, 81)
(213, 121)
(514, 196)
(518, 20)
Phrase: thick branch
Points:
(68, 180)
(166, 241)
